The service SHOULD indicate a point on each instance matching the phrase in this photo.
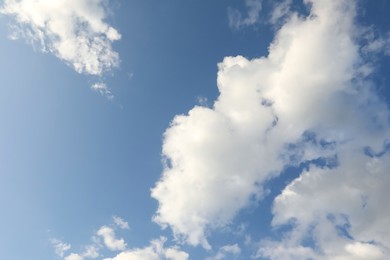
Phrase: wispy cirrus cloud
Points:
(75, 31)
(237, 20)
(281, 9)
(120, 222)
(60, 247)
(103, 90)
(310, 102)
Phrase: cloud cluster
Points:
(60, 247)
(228, 250)
(106, 238)
(345, 210)
(109, 239)
(309, 102)
(103, 90)
(154, 251)
(73, 30)
(90, 252)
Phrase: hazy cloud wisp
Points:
(236, 19)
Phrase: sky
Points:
(224, 129)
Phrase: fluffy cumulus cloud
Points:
(345, 209)
(90, 252)
(227, 252)
(310, 102)
(105, 237)
(73, 30)
(110, 240)
(105, 242)
(154, 251)
(74, 257)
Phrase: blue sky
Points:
(192, 130)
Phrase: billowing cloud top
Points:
(310, 101)
(73, 30)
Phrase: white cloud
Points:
(281, 10)
(227, 252)
(103, 90)
(275, 250)
(73, 30)
(202, 101)
(74, 257)
(345, 209)
(310, 98)
(60, 247)
(120, 222)
(173, 253)
(105, 237)
(155, 251)
(364, 251)
(376, 44)
(110, 240)
(91, 251)
(236, 20)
